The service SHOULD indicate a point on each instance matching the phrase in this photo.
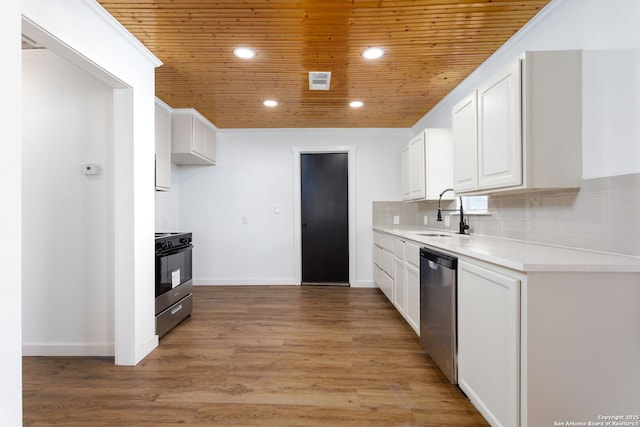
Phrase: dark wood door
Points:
(325, 218)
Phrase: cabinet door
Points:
(399, 289)
(412, 310)
(417, 168)
(439, 163)
(210, 144)
(199, 140)
(499, 130)
(163, 149)
(406, 173)
(465, 145)
(489, 341)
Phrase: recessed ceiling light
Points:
(270, 103)
(244, 52)
(372, 53)
(356, 104)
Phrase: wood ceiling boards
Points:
(430, 46)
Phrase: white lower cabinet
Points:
(535, 347)
(384, 282)
(412, 283)
(396, 272)
(489, 342)
(383, 269)
(399, 286)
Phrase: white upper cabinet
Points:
(406, 171)
(499, 141)
(465, 145)
(522, 129)
(427, 163)
(193, 139)
(163, 146)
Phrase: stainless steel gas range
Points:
(174, 280)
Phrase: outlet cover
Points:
(426, 220)
(396, 220)
(447, 220)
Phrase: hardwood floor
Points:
(259, 356)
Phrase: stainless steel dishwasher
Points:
(438, 326)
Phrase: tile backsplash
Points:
(603, 215)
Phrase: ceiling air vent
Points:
(319, 80)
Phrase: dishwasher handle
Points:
(445, 260)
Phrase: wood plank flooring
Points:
(259, 356)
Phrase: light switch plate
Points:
(396, 220)
(426, 220)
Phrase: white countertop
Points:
(518, 255)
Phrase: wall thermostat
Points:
(90, 169)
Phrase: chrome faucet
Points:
(463, 226)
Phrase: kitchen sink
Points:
(434, 235)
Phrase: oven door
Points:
(173, 268)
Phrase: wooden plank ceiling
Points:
(430, 46)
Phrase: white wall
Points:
(607, 32)
(254, 174)
(67, 278)
(10, 215)
(85, 34)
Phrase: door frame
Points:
(297, 206)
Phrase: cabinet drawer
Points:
(387, 262)
(173, 315)
(377, 256)
(384, 282)
(398, 248)
(412, 254)
(385, 241)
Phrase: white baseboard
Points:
(365, 284)
(147, 347)
(265, 282)
(69, 349)
(240, 282)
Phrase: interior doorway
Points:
(119, 244)
(298, 152)
(324, 195)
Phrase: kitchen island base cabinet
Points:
(489, 342)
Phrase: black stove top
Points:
(172, 240)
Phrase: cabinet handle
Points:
(176, 309)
